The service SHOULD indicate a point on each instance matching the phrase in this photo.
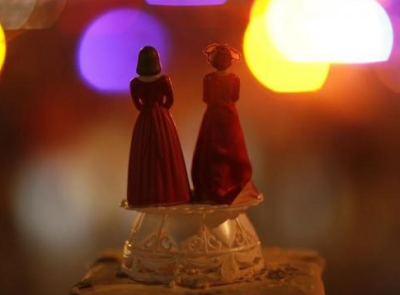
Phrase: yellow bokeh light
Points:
(2, 47)
(270, 67)
(334, 31)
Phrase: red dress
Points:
(221, 166)
(157, 172)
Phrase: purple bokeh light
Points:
(108, 49)
(186, 2)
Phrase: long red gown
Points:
(221, 166)
(157, 173)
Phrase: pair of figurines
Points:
(221, 168)
(197, 239)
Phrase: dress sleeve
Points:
(136, 100)
(206, 89)
(236, 89)
(169, 95)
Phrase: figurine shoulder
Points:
(164, 82)
(150, 80)
(214, 75)
(209, 77)
(236, 77)
(165, 79)
(233, 76)
(237, 80)
(134, 81)
(134, 84)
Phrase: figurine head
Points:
(220, 56)
(148, 62)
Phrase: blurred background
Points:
(326, 158)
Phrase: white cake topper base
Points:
(194, 246)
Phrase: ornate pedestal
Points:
(193, 246)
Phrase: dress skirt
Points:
(221, 167)
(157, 173)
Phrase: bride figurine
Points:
(221, 168)
(157, 174)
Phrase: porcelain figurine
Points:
(221, 167)
(157, 173)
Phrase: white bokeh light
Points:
(30, 14)
(64, 198)
(335, 31)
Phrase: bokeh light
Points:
(186, 2)
(270, 67)
(45, 14)
(335, 31)
(108, 50)
(30, 14)
(14, 14)
(389, 73)
(2, 47)
(80, 181)
(385, 3)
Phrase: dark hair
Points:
(221, 58)
(148, 62)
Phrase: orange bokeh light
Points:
(270, 67)
(2, 47)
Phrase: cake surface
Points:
(286, 272)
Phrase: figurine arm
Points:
(169, 95)
(236, 89)
(136, 100)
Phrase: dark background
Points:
(327, 162)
